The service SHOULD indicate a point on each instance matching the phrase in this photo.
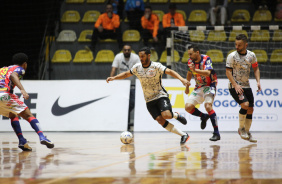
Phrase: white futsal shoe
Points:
(251, 139)
(242, 132)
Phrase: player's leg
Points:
(17, 129)
(244, 103)
(34, 123)
(249, 117)
(213, 117)
(195, 98)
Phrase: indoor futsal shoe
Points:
(47, 142)
(204, 121)
(24, 146)
(184, 138)
(215, 137)
(181, 119)
(242, 132)
(251, 139)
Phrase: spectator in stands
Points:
(150, 24)
(172, 19)
(107, 26)
(134, 10)
(218, 11)
(270, 5)
(118, 6)
(123, 62)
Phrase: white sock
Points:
(175, 115)
(170, 127)
(248, 124)
(242, 118)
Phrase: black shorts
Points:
(155, 107)
(247, 96)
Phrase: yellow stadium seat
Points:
(164, 56)
(215, 55)
(277, 20)
(131, 36)
(242, 1)
(105, 56)
(182, 13)
(83, 56)
(276, 56)
(66, 36)
(185, 57)
(198, 16)
(216, 36)
(154, 55)
(230, 52)
(179, 1)
(70, 16)
(83, 35)
(159, 13)
(95, 1)
(90, 16)
(158, 1)
(261, 55)
(108, 40)
(234, 33)
(277, 36)
(197, 36)
(74, 1)
(240, 16)
(262, 16)
(62, 56)
(200, 1)
(260, 36)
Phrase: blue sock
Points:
(214, 121)
(196, 112)
(17, 127)
(34, 123)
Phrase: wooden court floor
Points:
(153, 158)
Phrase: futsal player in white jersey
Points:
(158, 104)
(238, 66)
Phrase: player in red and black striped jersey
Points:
(200, 66)
(10, 104)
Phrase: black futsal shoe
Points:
(204, 121)
(215, 137)
(181, 119)
(184, 138)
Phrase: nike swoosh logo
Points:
(59, 111)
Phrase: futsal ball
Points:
(126, 137)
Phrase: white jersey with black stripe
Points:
(241, 67)
(151, 80)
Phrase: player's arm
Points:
(16, 80)
(199, 71)
(113, 72)
(123, 75)
(177, 76)
(257, 76)
(188, 77)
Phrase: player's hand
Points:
(100, 28)
(259, 87)
(25, 95)
(192, 67)
(239, 89)
(110, 79)
(187, 90)
(185, 82)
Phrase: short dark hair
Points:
(195, 48)
(19, 58)
(242, 37)
(148, 7)
(146, 50)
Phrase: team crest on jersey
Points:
(151, 73)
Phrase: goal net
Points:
(218, 41)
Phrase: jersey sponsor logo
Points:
(57, 110)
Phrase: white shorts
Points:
(11, 103)
(203, 94)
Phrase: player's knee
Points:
(159, 119)
(167, 115)
(208, 107)
(245, 105)
(12, 116)
(250, 110)
(189, 107)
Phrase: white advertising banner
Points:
(267, 111)
(76, 105)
